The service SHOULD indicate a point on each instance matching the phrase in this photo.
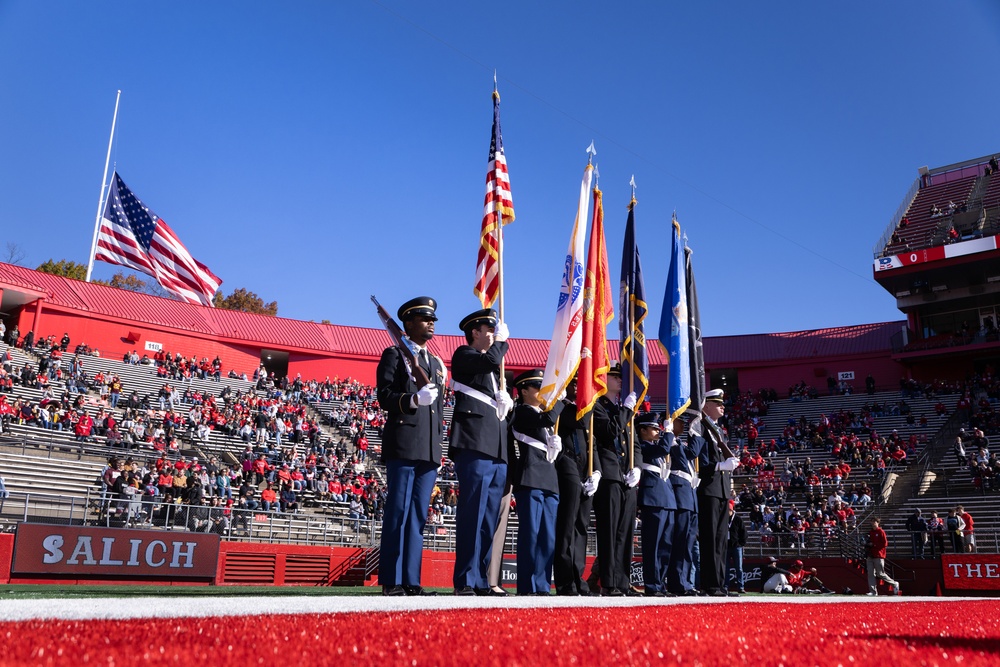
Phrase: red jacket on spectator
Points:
(878, 542)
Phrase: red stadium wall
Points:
(318, 367)
(782, 375)
(112, 338)
(6, 556)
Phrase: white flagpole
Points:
(100, 199)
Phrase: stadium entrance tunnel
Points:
(727, 379)
(274, 361)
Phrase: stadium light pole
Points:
(100, 198)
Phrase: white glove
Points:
(668, 426)
(632, 478)
(590, 486)
(728, 465)
(596, 476)
(427, 395)
(504, 404)
(501, 333)
(630, 400)
(553, 445)
(561, 396)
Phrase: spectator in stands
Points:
(289, 501)
(734, 551)
(968, 534)
(917, 526)
(357, 513)
(269, 498)
(955, 527)
(935, 532)
(29, 342)
(84, 428)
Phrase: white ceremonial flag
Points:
(567, 334)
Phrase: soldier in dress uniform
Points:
(478, 446)
(411, 447)
(576, 491)
(536, 488)
(684, 479)
(615, 500)
(656, 503)
(714, 492)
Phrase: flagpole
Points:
(500, 310)
(631, 349)
(100, 198)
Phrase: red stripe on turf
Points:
(849, 634)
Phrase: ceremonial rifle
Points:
(417, 373)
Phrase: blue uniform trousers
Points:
(680, 573)
(481, 481)
(536, 539)
(409, 485)
(657, 538)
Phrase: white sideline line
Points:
(157, 607)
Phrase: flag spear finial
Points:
(496, 93)
(591, 151)
(597, 176)
(632, 183)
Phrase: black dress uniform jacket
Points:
(533, 470)
(610, 439)
(410, 433)
(714, 483)
(572, 461)
(475, 425)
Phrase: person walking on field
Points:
(877, 543)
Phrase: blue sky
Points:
(318, 152)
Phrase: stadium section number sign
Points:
(103, 552)
(978, 572)
(153, 347)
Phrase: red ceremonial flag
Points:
(598, 311)
(498, 210)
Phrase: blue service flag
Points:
(674, 330)
(632, 311)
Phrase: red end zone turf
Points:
(882, 634)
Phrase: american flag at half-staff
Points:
(133, 236)
(498, 210)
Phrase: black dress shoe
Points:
(393, 591)
(690, 594)
(418, 590)
(613, 592)
(655, 594)
(542, 594)
(497, 592)
(717, 594)
(482, 592)
(668, 594)
(633, 593)
(465, 591)
(732, 594)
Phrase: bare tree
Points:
(14, 254)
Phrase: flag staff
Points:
(100, 198)
(590, 430)
(631, 350)
(503, 374)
